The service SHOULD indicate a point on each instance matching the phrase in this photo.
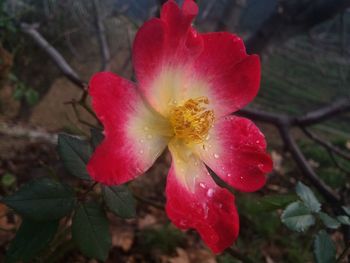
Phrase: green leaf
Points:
(75, 154)
(30, 239)
(119, 200)
(96, 137)
(345, 220)
(42, 199)
(328, 221)
(8, 179)
(347, 210)
(308, 197)
(90, 231)
(19, 91)
(32, 97)
(297, 217)
(274, 202)
(324, 249)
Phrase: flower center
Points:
(192, 121)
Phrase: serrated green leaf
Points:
(324, 249)
(30, 239)
(297, 217)
(90, 231)
(75, 154)
(42, 199)
(119, 200)
(308, 197)
(328, 221)
(346, 209)
(96, 137)
(345, 220)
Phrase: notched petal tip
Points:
(190, 8)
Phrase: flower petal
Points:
(133, 138)
(195, 201)
(236, 151)
(160, 47)
(232, 75)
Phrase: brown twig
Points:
(327, 145)
(101, 34)
(324, 113)
(57, 58)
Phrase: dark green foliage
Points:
(90, 231)
(324, 248)
(30, 239)
(96, 137)
(119, 200)
(328, 221)
(166, 238)
(75, 153)
(42, 199)
(297, 217)
(308, 197)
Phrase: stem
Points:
(343, 254)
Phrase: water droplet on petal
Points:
(141, 151)
(202, 185)
(216, 156)
(257, 141)
(241, 177)
(229, 175)
(210, 192)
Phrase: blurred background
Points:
(304, 47)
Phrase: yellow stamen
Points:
(192, 121)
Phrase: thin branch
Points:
(57, 58)
(324, 113)
(101, 34)
(329, 146)
(344, 253)
(27, 132)
(337, 164)
(305, 167)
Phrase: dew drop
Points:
(241, 177)
(141, 151)
(210, 192)
(202, 185)
(207, 138)
(229, 175)
(216, 156)
(257, 141)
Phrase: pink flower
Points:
(188, 85)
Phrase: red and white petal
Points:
(236, 151)
(195, 201)
(133, 138)
(233, 77)
(162, 49)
